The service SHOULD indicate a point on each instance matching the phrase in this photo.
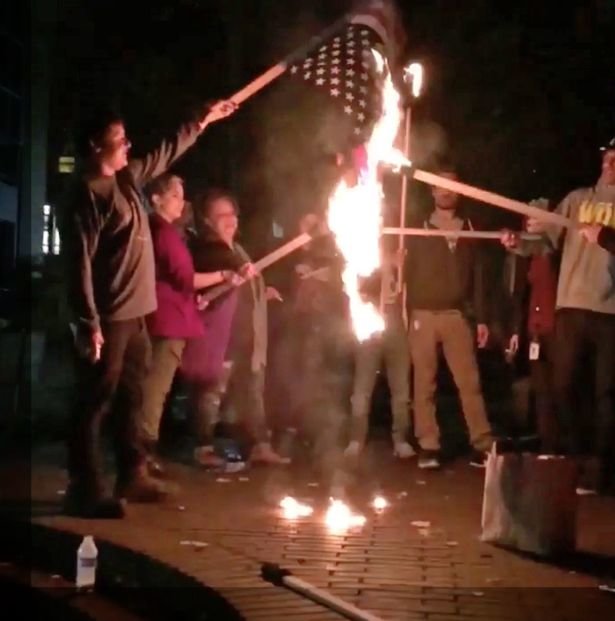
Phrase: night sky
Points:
(521, 93)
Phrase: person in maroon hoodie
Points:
(542, 282)
(177, 318)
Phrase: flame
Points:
(355, 212)
(340, 518)
(413, 73)
(294, 509)
(380, 503)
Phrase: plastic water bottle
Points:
(87, 559)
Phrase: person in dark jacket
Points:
(391, 348)
(445, 293)
(235, 328)
(319, 346)
(112, 289)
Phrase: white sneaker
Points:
(403, 450)
(206, 457)
(586, 491)
(353, 449)
(429, 460)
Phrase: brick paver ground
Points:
(390, 567)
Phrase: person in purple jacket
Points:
(176, 320)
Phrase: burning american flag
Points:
(353, 69)
(344, 68)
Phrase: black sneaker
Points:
(142, 490)
(478, 459)
(429, 460)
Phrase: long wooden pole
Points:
(493, 199)
(281, 577)
(418, 232)
(404, 190)
(261, 264)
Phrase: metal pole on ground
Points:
(283, 578)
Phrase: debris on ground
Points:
(194, 544)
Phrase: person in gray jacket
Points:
(111, 284)
(585, 316)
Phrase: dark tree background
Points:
(522, 93)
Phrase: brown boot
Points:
(139, 486)
(263, 453)
(91, 503)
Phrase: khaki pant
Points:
(452, 330)
(166, 358)
(391, 347)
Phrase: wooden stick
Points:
(493, 199)
(418, 232)
(404, 182)
(299, 54)
(282, 251)
(261, 264)
(321, 271)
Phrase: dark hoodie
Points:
(442, 277)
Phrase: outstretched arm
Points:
(159, 160)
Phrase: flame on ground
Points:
(380, 503)
(293, 509)
(355, 213)
(340, 518)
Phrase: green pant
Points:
(205, 406)
(390, 346)
(246, 396)
(451, 329)
(166, 358)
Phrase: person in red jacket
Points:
(542, 282)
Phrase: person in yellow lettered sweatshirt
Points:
(585, 316)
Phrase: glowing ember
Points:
(294, 509)
(355, 211)
(380, 503)
(340, 518)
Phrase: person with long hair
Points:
(238, 321)
(176, 319)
